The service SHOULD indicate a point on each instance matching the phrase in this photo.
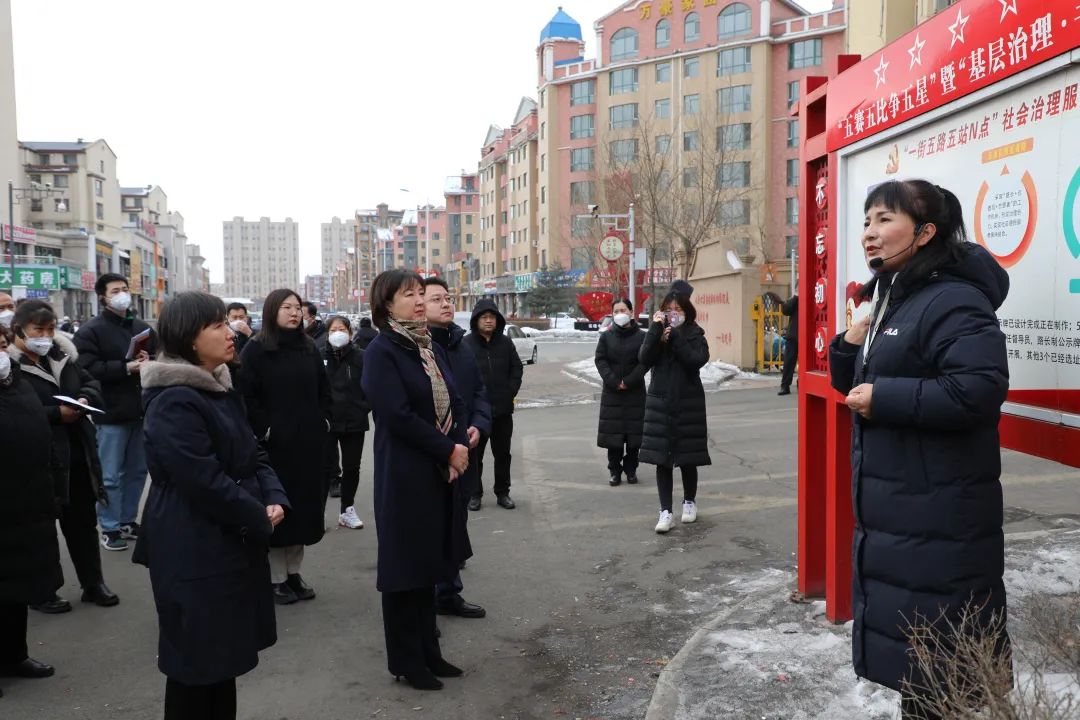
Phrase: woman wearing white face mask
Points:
(47, 360)
(348, 417)
(622, 404)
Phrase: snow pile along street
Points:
(713, 375)
(561, 335)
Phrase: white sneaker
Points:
(350, 519)
(689, 511)
(665, 522)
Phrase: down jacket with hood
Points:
(926, 467)
(498, 360)
(60, 374)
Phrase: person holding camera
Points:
(675, 431)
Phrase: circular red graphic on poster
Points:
(819, 243)
(820, 196)
(821, 342)
(821, 293)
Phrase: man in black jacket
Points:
(106, 352)
(365, 334)
(791, 342)
(469, 384)
(238, 321)
(501, 368)
(313, 326)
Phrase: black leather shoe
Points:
(441, 668)
(504, 501)
(631, 479)
(474, 503)
(456, 605)
(616, 479)
(284, 595)
(784, 391)
(100, 594)
(302, 589)
(423, 680)
(28, 668)
(54, 606)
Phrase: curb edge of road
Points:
(667, 698)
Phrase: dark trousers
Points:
(78, 521)
(791, 356)
(618, 462)
(665, 483)
(502, 431)
(200, 702)
(409, 626)
(12, 634)
(347, 464)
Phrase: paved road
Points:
(585, 602)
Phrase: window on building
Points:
(581, 159)
(582, 193)
(35, 206)
(35, 178)
(580, 227)
(583, 93)
(734, 20)
(733, 213)
(623, 116)
(691, 140)
(69, 159)
(468, 238)
(691, 178)
(624, 152)
(99, 188)
(791, 210)
(468, 219)
(662, 109)
(624, 44)
(663, 33)
(733, 137)
(793, 133)
(733, 99)
(101, 166)
(543, 194)
(733, 61)
(691, 104)
(733, 175)
(100, 210)
(691, 67)
(60, 181)
(622, 81)
(663, 144)
(133, 217)
(792, 165)
(663, 71)
(582, 126)
(804, 53)
(692, 27)
(43, 159)
(791, 245)
(792, 92)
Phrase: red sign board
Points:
(968, 46)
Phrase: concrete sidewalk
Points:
(763, 656)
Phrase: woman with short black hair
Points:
(212, 508)
(287, 393)
(676, 432)
(48, 361)
(421, 446)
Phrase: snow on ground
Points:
(770, 658)
(562, 335)
(713, 374)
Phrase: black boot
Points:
(631, 478)
(100, 594)
(302, 589)
(283, 594)
(421, 680)
(53, 606)
(443, 669)
(616, 479)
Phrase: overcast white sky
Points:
(273, 107)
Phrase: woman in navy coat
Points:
(925, 376)
(212, 507)
(421, 448)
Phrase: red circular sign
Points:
(821, 293)
(821, 342)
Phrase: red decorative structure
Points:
(920, 81)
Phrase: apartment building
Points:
(260, 256)
(319, 289)
(461, 194)
(338, 242)
(9, 148)
(375, 228)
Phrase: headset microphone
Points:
(878, 262)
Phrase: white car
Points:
(526, 346)
(562, 321)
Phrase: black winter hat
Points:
(681, 287)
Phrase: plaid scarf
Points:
(410, 329)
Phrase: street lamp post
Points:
(35, 192)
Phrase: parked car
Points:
(526, 346)
(562, 321)
(606, 324)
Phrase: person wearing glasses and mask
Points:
(48, 361)
(106, 352)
